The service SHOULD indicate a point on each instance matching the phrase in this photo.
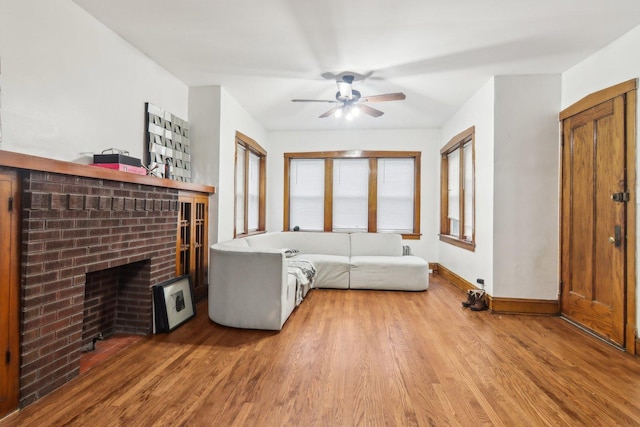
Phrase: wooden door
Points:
(9, 292)
(594, 205)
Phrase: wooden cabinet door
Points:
(192, 254)
(9, 292)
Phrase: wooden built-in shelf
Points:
(29, 162)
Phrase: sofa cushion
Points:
(267, 240)
(307, 242)
(332, 271)
(376, 244)
(236, 243)
(403, 273)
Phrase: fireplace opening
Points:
(117, 300)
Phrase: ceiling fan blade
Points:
(330, 76)
(328, 113)
(370, 110)
(313, 100)
(398, 96)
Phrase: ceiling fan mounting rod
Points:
(348, 78)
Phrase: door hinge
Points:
(7, 357)
(620, 197)
(10, 204)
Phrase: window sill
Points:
(411, 236)
(464, 244)
(405, 236)
(252, 233)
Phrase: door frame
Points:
(629, 90)
(14, 303)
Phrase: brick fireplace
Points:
(118, 237)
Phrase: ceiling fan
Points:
(350, 102)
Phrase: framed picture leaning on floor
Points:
(173, 303)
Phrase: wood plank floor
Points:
(348, 358)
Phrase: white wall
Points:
(615, 63)
(478, 111)
(424, 140)
(71, 86)
(232, 118)
(525, 190)
(215, 118)
(204, 128)
(516, 200)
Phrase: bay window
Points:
(351, 191)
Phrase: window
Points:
(306, 193)
(253, 184)
(350, 195)
(240, 186)
(457, 191)
(396, 191)
(250, 186)
(347, 191)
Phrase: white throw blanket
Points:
(304, 272)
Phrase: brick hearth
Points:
(73, 226)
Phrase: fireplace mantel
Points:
(25, 161)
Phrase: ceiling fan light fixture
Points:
(349, 102)
(349, 116)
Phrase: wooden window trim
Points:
(251, 146)
(328, 195)
(250, 143)
(457, 143)
(373, 157)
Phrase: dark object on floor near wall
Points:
(480, 304)
(476, 300)
(173, 303)
(471, 298)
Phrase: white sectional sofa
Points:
(249, 284)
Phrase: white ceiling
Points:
(438, 52)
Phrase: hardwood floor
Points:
(349, 358)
